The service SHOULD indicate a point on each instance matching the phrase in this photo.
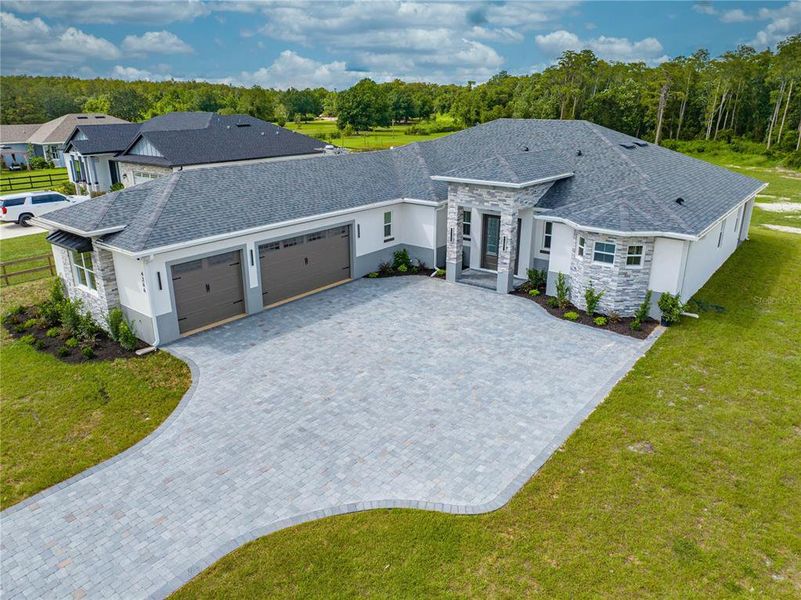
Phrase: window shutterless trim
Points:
(605, 252)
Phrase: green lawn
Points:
(23, 247)
(39, 182)
(59, 419)
(376, 139)
(713, 511)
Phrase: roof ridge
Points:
(158, 208)
(592, 127)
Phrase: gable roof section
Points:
(17, 134)
(59, 130)
(613, 188)
(101, 139)
(519, 170)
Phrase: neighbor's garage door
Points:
(208, 290)
(304, 263)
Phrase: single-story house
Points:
(134, 153)
(14, 144)
(48, 140)
(201, 247)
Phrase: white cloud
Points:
(292, 70)
(784, 21)
(648, 50)
(88, 11)
(163, 42)
(705, 8)
(134, 74)
(736, 15)
(33, 46)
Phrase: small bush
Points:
(385, 269)
(27, 339)
(421, 265)
(440, 273)
(63, 351)
(53, 332)
(29, 323)
(113, 320)
(537, 278)
(20, 328)
(127, 337)
(562, 291)
(12, 313)
(401, 258)
(373, 275)
(116, 187)
(614, 317)
(671, 307)
(67, 188)
(87, 352)
(403, 269)
(592, 298)
(39, 345)
(534, 292)
(641, 314)
(599, 321)
(37, 162)
(71, 343)
(571, 315)
(552, 302)
(70, 315)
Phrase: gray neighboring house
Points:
(201, 247)
(14, 144)
(135, 153)
(48, 140)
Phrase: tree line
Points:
(741, 93)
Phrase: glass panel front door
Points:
(490, 242)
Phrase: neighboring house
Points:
(133, 154)
(200, 247)
(48, 140)
(14, 144)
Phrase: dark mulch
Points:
(621, 325)
(382, 274)
(104, 348)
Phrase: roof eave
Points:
(504, 184)
(51, 225)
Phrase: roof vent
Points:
(578, 152)
(629, 146)
(524, 148)
(243, 124)
(262, 132)
(680, 201)
(641, 144)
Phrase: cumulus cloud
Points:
(292, 70)
(134, 74)
(782, 22)
(736, 15)
(648, 50)
(163, 42)
(31, 46)
(89, 11)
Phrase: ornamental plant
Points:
(571, 315)
(592, 298)
(671, 307)
(562, 291)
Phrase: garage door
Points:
(208, 290)
(304, 263)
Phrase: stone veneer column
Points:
(454, 231)
(507, 243)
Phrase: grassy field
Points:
(59, 419)
(40, 184)
(24, 247)
(376, 139)
(711, 511)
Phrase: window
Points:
(46, 198)
(84, 270)
(289, 242)
(388, 226)
(634, 256)
(581, 244)
(722, 231)
(317, 235)
(466, 222)
(12, 202)
(546, 240)
(604, 252)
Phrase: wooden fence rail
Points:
(5, 275)
(29, 182)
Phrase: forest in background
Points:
(741, 94)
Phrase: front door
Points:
(490, 239)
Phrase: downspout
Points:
(156, 336)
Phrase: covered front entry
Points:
(490, 242)
(304, 263)
(208, 290)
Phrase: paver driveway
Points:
(395, 392)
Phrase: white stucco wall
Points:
(666, 268)
(130, 282)
(704, 257)
(561, 248)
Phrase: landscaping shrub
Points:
(537, 278)
(385, 269)
(421, 265)
(440, 273)
(70, 315)
(27, 339)
(614, 316)
(534, 292)
(71, 343)
(113, 320)
(403, 269)
(37, 162)
(12, 313)
(552, 302)
(63, 351)
(127, 337)
(599, 321)
(592, 298)
(562, 291)
(641, 314)
(116, 187)
(571, 315)
(671, 307)
(53, 332)
(29, 323)
(400, 258)
(87, 352)
(67, 188)
(39, 345)
(373, 275)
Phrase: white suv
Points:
(19, 208)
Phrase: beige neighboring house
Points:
(14, 144)
(49, 139)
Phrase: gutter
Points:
(505, 184)
(47, 224)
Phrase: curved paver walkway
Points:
(395, 392)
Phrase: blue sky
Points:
(334, 44)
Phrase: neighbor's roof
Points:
(102, 139)
(613, 187)
(58, 130)
(193, 138)
(17, 134)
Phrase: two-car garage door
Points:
(209, 290)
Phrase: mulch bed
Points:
(621, 325)
(104, 347)
(426, 272)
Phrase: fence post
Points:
(4, 275)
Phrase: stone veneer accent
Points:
(129, 168)
(624, 286)
(106, 296)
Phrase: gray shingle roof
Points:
(103, 139)
(58, 130)
(629, 190)
(518, 168)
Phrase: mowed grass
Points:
(39, 182)
(25, 247)
(59, 419)
(378, 138)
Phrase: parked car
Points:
(20, 208)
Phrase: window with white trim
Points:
(546, 239)
(722, 231)
(467, 219)
(581, 243)
(634, 256)
(84, 269)
(604, 252)
(388, 226)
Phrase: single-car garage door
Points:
(304, 263)
(208, 290)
